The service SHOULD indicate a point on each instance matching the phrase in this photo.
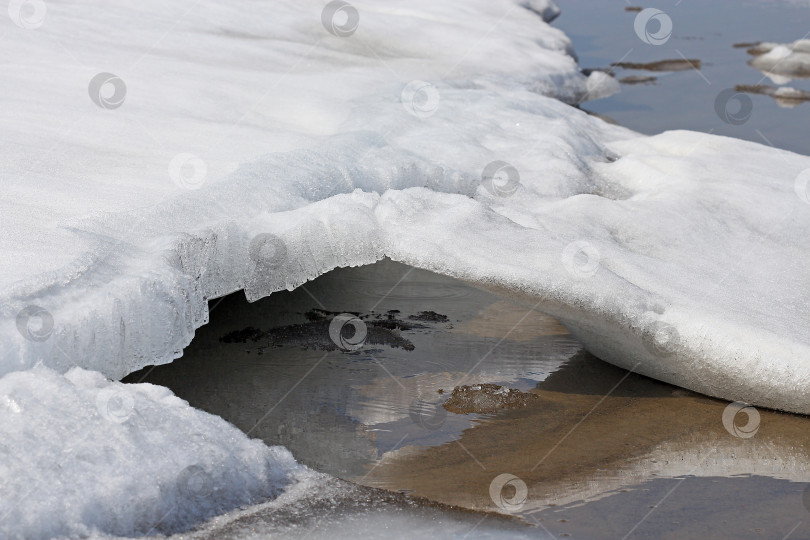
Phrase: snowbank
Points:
(83, 455)
(650, 249)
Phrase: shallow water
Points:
(603, 454)
(340, 411)
(603, 33)
(689, 507)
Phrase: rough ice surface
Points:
(318, 506)
(83, 455)
(258, 147)
(117, 219)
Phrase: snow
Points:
(249, 146)
(83, 455)
(108, 207)
(782, 62)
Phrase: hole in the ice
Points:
(274, 369)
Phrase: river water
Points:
(603, 34)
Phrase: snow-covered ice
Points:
(317, 506)
(82, 454)
(257, 145)
(782, 62)
(106, 209)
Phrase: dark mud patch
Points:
(758, 48)
(487, 398)
(381, 329)
(638, 79)
(746, 45)
(242, 336)
(662, 65)
(588, 71)
(429, 316)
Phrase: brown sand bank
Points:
(594, 429)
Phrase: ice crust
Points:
(682, 256)
(319, 506)
(692, 237)
(123, 254)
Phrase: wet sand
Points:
(661, 65)
(638, 79)
(597, 432)
(593, 420)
